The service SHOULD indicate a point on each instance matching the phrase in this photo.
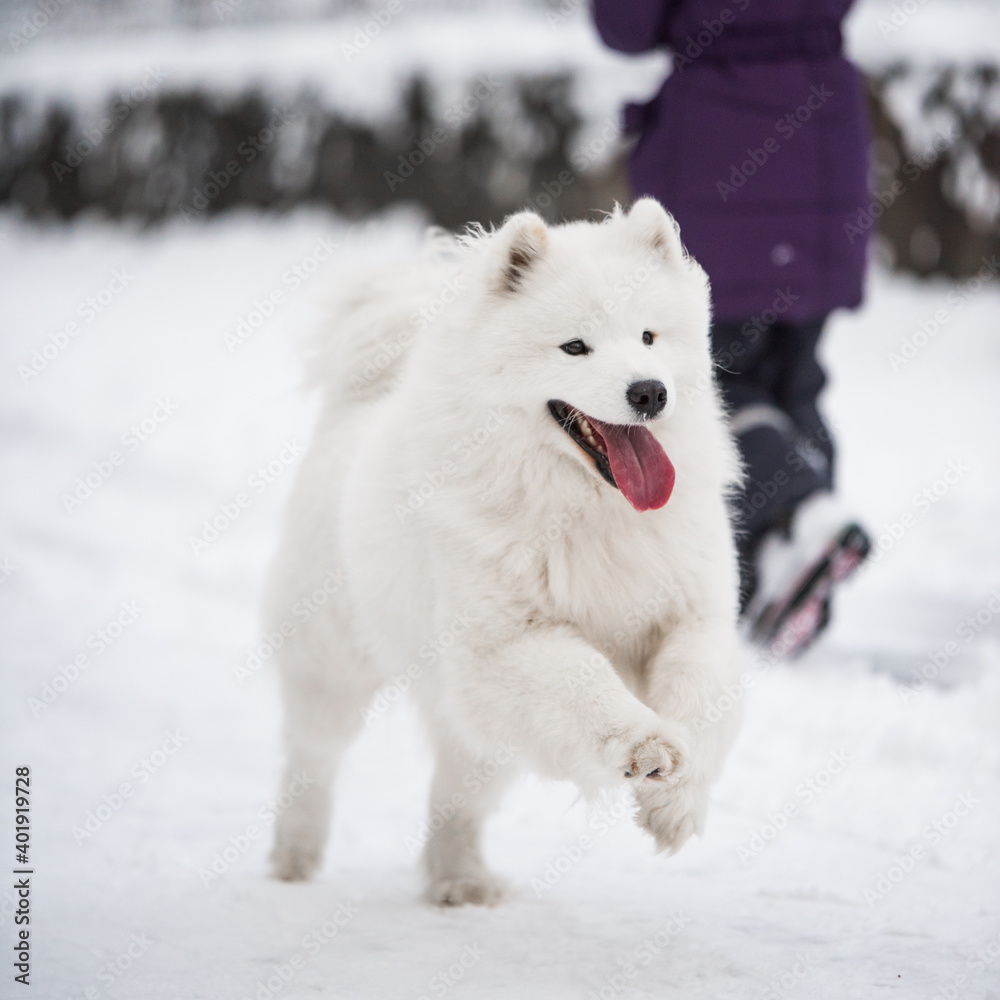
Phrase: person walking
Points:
(758, 142)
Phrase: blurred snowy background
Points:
(469, 110)
(852, 846)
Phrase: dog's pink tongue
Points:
(639, 464)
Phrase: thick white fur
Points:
(590, 637)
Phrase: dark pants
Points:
(770, 379)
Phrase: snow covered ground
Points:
(851, 849)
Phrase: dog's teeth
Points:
(589, 435)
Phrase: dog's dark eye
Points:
(648, 337)
(575, 347)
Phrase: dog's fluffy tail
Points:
(359, 351)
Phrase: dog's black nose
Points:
(647, 398)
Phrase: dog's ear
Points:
(521, 242)
(650, 223)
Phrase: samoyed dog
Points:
(515, 501)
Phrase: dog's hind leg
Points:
(465, 790)
(324, 702)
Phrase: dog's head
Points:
(597, 328)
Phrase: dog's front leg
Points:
(690, 684)
(563, 701)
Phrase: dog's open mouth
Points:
(626, 455)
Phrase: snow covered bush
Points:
(500, 145)
(469, 113)
(936, 167)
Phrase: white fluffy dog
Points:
(490, 479)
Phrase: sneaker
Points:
(792, 607)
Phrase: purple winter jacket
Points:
(757, 143)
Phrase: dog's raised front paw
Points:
(647, 753)
(672, 814)
(654, 758)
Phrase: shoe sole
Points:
(787, 628)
